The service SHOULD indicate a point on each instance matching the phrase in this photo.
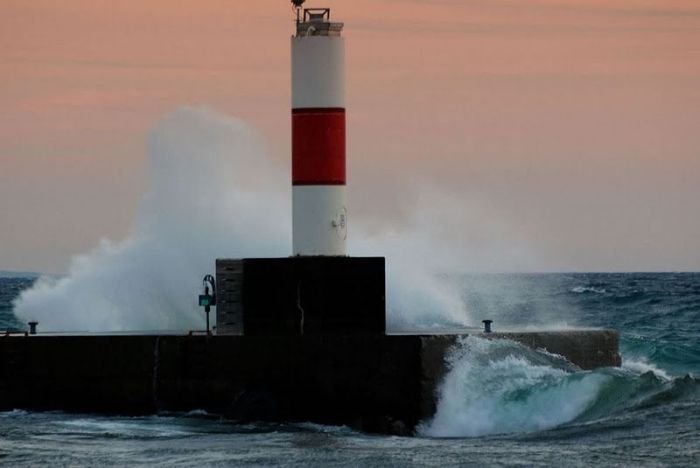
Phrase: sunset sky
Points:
(570, 127)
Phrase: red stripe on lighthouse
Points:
(318, 146)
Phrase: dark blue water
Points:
(504, 405)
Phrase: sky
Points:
(539, 135)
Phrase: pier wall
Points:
(375, 383)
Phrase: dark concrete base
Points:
(374, 383)
(301, 296)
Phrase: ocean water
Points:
(500, 403)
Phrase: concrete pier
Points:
(377, 383)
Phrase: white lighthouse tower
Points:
(319, 290)
(318, 134)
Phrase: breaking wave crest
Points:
(498, 386)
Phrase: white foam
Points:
(13, 413)
(640, 366)
(493, 388)
(586, 289)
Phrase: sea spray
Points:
(522, 301)
(422, 258)
(498, 386)
(214, 193)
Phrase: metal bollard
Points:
(32, 327)
(487, 325)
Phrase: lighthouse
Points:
(319, 212)
(318, 290)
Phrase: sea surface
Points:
(501, 403)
